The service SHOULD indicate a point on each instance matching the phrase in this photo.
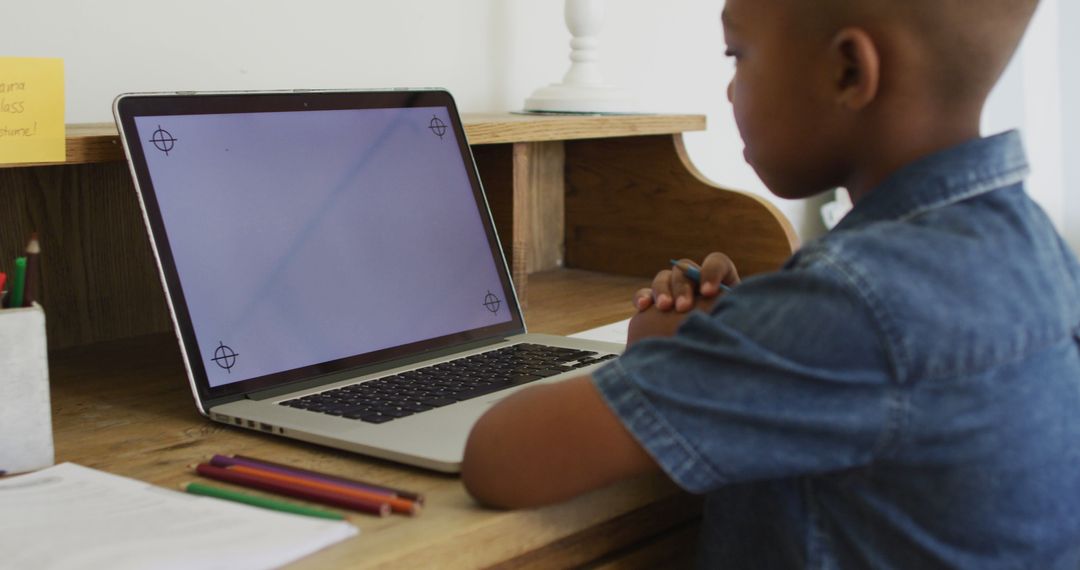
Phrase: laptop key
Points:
(394, 412)
(483, 390)
(415, 406)
(438, 401)
(517, 379)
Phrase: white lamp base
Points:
(564, 98)
(583, 89)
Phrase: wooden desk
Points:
(591, 207)
(124, 407)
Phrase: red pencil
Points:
(415, 497)
(292, 490)
(397, 504)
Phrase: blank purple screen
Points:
(305, 237)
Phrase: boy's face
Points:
(780, 95)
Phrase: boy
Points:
(905, 392)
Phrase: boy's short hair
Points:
(968, 43)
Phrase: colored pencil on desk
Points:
(33, 249)
(18, 283)
(397, 504)
(228, 495)
(270, 465)
(290, 490)
(226, 461)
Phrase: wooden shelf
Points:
(89, 143)
(615, 194)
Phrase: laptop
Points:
(332, 267)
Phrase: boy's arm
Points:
(554, 441)
(549, 443)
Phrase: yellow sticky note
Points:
(31, 110)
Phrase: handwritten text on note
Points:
(31, 110)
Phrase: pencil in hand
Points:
(693, 273)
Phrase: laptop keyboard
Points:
(408, 393)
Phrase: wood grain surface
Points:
(125, 407)
(634, 203)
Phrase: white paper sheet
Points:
(614, 332)
(72, 517)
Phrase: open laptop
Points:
(332, 268)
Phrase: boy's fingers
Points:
(661, 291)
(643, 299)
(682, 288)
(717, 268)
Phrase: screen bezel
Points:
(128, 107)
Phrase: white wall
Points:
(1069, 49)
(490, 53)
(1030, 98)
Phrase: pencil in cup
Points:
(33, 250)
(381, 509)
(694, 274)
(397, 504)
(255, 501)
(18, 283)
(271, 466)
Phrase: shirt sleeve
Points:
(786, 377)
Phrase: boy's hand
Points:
(672, 289)
(654, 322)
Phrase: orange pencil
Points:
(397, 504)
(290, 490)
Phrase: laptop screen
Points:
(301, 238)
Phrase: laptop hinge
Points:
(276, 391)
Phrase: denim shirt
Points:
(903, 393)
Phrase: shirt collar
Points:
(950, 176)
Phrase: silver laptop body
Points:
(317, 247)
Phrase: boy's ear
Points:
(856, 68)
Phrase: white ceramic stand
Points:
(583, 89)
(26, 438)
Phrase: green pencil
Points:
(219, 493)
(19, 284)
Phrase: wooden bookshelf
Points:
(89, 143)
(615, 194)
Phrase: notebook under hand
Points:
(332, 268)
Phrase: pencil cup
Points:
(26, 441)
